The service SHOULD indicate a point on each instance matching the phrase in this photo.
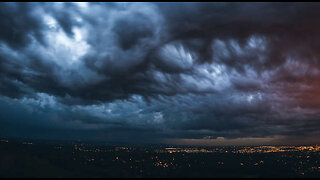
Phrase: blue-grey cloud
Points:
(157, 71)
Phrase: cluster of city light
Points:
(90, 159)
(303, 162)
(185, 150)
(82, 149)
(248, 149)
(257, 149)
(273, 149)
(161, 164)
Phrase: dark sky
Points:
(180, 73)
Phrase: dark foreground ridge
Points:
(34, 158)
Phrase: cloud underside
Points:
(160, 72)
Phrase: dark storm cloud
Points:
(287, 28)
(160, 70)
(17, 30)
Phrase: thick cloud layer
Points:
(160, 72)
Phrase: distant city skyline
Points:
(86, 159)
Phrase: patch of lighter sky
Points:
(216, 74)
(82, 5)
(65, 51)
(177, 55)
(158, 117)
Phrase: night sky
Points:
(176, 73)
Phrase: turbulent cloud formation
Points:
(160, 72)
